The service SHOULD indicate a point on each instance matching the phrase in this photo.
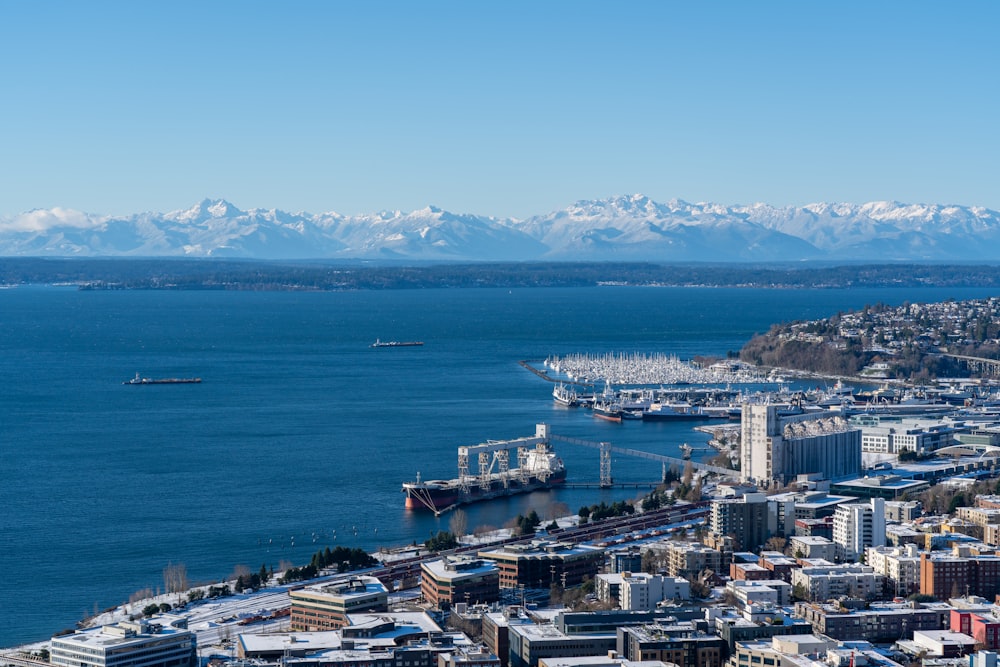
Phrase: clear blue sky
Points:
(498, 108)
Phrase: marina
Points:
(649, 369)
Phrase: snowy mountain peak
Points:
(620, 228)
(207, 208)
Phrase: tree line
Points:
(235, 274)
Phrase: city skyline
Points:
(506, 110)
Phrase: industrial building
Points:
(777, 449)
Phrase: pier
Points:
(497, 477)
(612, 485)
(607, 448)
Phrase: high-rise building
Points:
(857, 526)
(744, 518)
(776, 449)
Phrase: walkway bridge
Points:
(977, 364)
(606, 449)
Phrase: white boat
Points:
(564, 395)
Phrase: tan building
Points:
(900, 565)
(451, 579)
(326, 606)
(689, 559)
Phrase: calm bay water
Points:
(300, 435)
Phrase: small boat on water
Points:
(564, 395)
(611, 412)
(396, 343)
(138, 379)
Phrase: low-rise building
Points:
(901, 511)
(610, 660)
(749, 571)
(899, 565)
(768, 591)
(899, 534)
(162, 641)
(953, 575)
(326, 606)
(979, 516)
(531, 642)
(679, 644)
(815, 527)
(733, 629)
(781, 651)
(643, 592)
(907, 435)
(496, 628)
(778, 564)
(823, 583)
(943, 643)
(880, 622)
(467, 657)
(542, 564)
(453, 579)
(637, 591)
(363, 635)
(689, 559)
(815, 547)
(983, 627)
(629, 560)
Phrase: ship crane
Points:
(485, 471)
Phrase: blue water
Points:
(299, 429)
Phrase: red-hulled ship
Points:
(537, 467)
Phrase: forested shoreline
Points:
(230, 274)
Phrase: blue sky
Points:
(507, 109)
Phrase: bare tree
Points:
(240, 571)
(776, 543)
(175, 579)
(556, 510)
(141, 594)
(459, 523)
(484, 530)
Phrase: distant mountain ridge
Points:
(623, 228)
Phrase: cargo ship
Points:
(141, 380)
(538, 467)
(396, 343)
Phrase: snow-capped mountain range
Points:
(625, 228)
